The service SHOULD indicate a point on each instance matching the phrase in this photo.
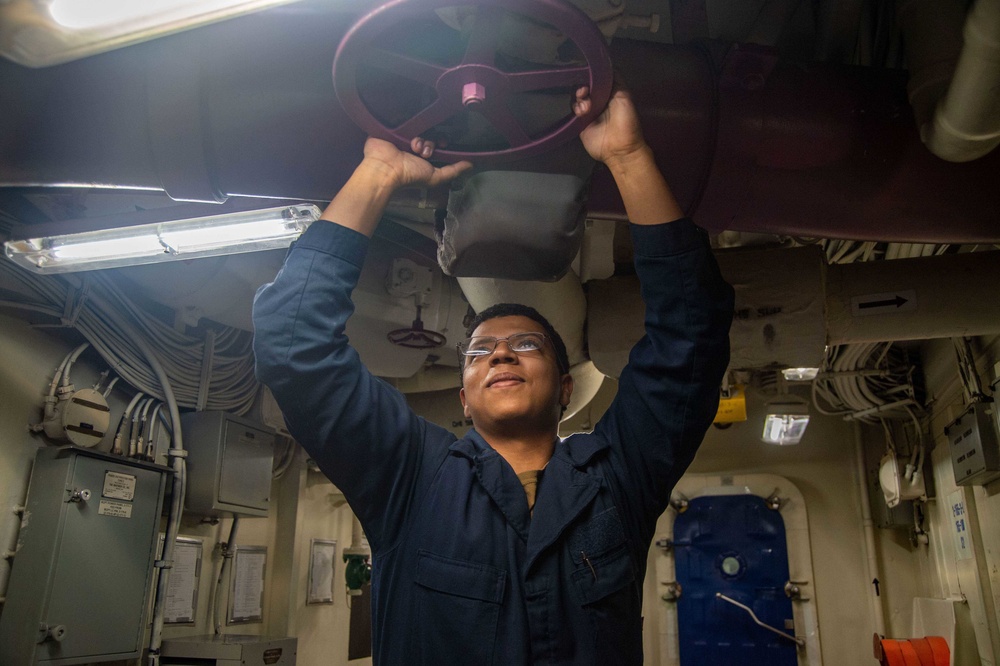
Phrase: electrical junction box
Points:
(228, 466)
(975, 451)
(228, 650)
(80, 581)
(82, 418)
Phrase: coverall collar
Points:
(564, 493)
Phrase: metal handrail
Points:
(801, 642)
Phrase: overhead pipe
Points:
(955, 75)
(787, 320)
(752, 143)
(922, 298)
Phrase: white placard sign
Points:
(246, 597)
(322, 555)
(960, 525)
(181, 605)
(119, 486)
(115, 509)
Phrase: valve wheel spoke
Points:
(433, 115)
(504, 122)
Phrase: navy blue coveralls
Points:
(461, 573)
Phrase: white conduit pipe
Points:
(966, 125)
(356, 532)
(228, 550)
(878, 613)
(177, 456)
(957, 106)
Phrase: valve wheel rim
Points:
(455, 85)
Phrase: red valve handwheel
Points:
(475, 85)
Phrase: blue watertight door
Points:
(734, 545)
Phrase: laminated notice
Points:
(115, 509)
(119, 486)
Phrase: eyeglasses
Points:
(519, 343)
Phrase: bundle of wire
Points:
(110, 321)
(848, 251)
(868, 382)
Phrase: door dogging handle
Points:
(801, 642)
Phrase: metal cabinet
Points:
(229, 464)
(80, 581)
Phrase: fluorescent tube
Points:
(230, 233)
(39, 33)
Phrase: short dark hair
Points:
(518, 310)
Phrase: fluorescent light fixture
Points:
(800, 374)
(230, 233)
(39, 33)
(786, 420)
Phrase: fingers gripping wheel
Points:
(400, 72)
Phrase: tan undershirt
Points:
(529, 480)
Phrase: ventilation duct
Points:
(755, 143)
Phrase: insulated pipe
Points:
(933, 33)
(752, 143)
(786, 321)
(878, 613)
(957, 106)
(356, 532)
(967, 123)
(922, 298)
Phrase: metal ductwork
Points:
(790, 305)
(246, 108)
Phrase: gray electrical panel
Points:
(975, 451)
(229, 464)
(80, 581)
(228, 650)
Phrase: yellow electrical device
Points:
(732, 406)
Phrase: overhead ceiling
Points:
(770, 118)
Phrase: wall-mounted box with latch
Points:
(81, 576)
(975, 451)
(228, 466)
